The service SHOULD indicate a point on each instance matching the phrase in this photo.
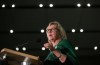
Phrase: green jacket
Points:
(65, 47)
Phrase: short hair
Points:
(60, 29)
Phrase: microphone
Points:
(17, 47)
(24, 44)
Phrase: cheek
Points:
(54, 35)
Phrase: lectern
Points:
(19, 58)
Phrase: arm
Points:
(62, 57)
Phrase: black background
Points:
(27, 19)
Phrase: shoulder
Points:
(65, 43)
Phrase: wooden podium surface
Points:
(15, 57)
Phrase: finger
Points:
(46, 45)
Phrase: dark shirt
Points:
(65, 47)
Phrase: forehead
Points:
(51, 26)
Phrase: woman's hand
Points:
(49, 46)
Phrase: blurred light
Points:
(40, 5)
(81, 30)
(24, 63)
(42, 30)
(3, 6)
(24, 48)
(17, 49)
(95, 47)
(4, 56)
(76, 48)
(78, 5)
(43, 48)
(11, 31)
(73, 30)
(13, 5)
(50, 5)
(88, 4)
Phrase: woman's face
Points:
(52, 33)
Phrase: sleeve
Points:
(67, 49)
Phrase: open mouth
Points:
(50, 35)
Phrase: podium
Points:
(19, 58)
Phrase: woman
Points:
(61, 50)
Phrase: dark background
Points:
(27, 19)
